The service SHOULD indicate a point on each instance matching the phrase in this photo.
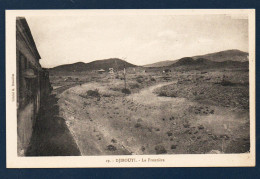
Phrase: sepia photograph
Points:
(130, 88)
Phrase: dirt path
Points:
(147, 96)
(144, 123)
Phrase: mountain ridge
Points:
(105, 64)
(226, 57)
(221, 56)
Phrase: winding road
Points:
(140, 122)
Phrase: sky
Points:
(140, 39)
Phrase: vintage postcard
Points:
(130, 88)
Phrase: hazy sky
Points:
(141, 39)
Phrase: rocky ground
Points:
(226, 89)
(111, 123)
(189, 112)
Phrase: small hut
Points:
(101, 71)
(166, 71)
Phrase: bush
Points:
(173, 95)
(135, 85)
(126, 91)
(169, 133)
(162, 93)
(137, 125)
(160, 149)
(93, 93)
(139, 80)
(115, 89)
(226, 83)
(106, 95)
(111, 148)
(173, 146)
(153, 79)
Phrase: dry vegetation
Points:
(220, 88)
(177, 112)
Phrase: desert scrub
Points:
(137, 125)
(93, 93)
(225, 82)
(159, 149)
(166, 94)
(153, 79)
(111, 148)
(173, 95)
(106, 95)
(126, 91)
(133, 86)
(162, 93)
(139, 79)
(115, 89)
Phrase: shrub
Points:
(162, 93)
(137, 125)
(111, 148)
(139, 80)
(115, 89)
(160, 149)
(186, 125)
(166, 78)
(106, 95)
(173, 146)
(226, 83)
(143, 148)
(93, 93)
(114, 140)
(126, 91)
(173, 95)
(135, 85)
(169, 133)
(153, 79)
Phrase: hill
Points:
(227, 55)
(203, 63)
(115, 63)
(160, 64)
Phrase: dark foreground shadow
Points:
(51, 136)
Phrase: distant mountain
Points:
(227, 55)
(203, 63)
(160, 64)
(191, 61)
(115, 63)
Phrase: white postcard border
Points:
(180, 160)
